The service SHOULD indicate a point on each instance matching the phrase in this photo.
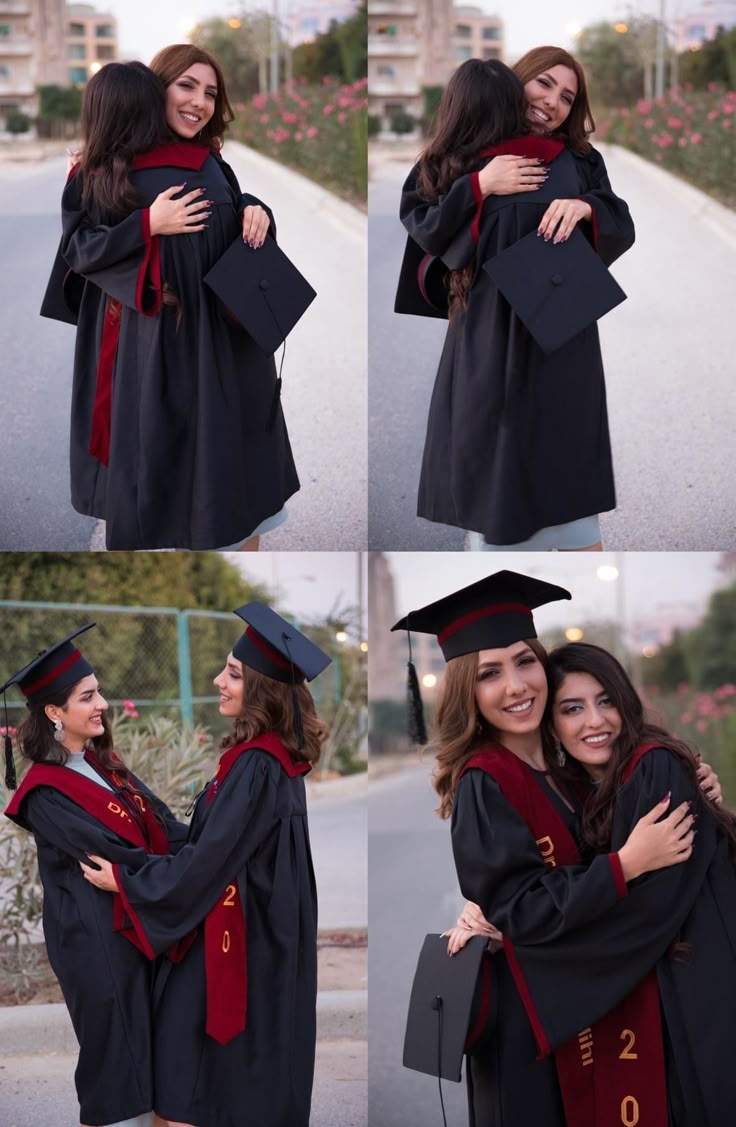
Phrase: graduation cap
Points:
(490, 614)
(55, 668)
(275, 648)
(556, 289)
(450, 1008)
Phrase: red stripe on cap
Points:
(272, 654)
(484, 612)
(43, 681)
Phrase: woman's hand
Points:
(179, 217)
(73, 158)
(710, 783)
(471, 921)
(255, 225)
(104, 879)
(505, 175)
(657, 845)
(563, 216)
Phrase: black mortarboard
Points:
(490, 614)
(421, 289)
(451, 1006)
(274, 647)
(55, 668)
(262, 289)
(556, 289)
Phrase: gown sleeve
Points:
(500, 868)
(169, 896)
(582, 974)
(611, 224)
(436, 226)
(245, 198)
(122, 259)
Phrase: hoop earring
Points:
(59, 732)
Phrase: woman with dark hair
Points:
(517, 447)
(178, 437)
(79, 797)
(235, 1021)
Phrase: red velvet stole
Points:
(225, 955)
(137, 826)
(176, 154)
(612, 1074)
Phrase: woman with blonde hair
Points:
(234, 1024)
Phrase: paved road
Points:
(338, 834)
(669, 360)
(412, 890)
(324, 370)
(38, 1091)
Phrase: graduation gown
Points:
(104, 976)
(516, 440)
(245, 877)
(178, 439)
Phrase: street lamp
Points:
(621, 28)
(574, 634)
(341, 636)
(429, 680)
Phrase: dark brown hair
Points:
(268, 706)
(579, 124)
(459, 728)
(123, 114)
(171, 63)
(636, 729)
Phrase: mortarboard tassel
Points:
(298, 725)
(415, 707)
(275, 402)
(11, 781)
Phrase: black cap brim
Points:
(556, 289)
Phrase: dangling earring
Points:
(478, 726)
(560, 755)
(59, 732)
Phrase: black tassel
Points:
(298, 725)
(11, 781)
(417, 726)
(275, 402)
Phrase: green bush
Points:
(402, 122)
(17, 122)
(374, 124)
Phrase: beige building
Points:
(31, 52)
(91, 41)
(408, 48)
(476, 35)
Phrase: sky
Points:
(145, 26)
(309, 585)
(651, 579)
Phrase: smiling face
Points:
(82, 713)
(586, 721)
(550, 98)
(190, 100)
(230, 684)
(511, 689)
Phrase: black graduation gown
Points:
(516, 440)
(106, 980)
(198, 452)
(254, 833)
(581, 952)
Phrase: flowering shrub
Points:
(689, 132)
(320, 130)
(707, 720)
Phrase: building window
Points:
(76, 51)
(463, 31)
(491, 33)
(491, 52)
(386, 71)
(386, 29)
(5, 30)
(78, 75)
(105, 52)
(104, 31)
(390, 109)
(462, 54)
(76, 29)
(4, 71)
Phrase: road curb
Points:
(36, 1029)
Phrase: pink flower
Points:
(649, 123)
(264, 119)
(312, 131)
(341, 117)
(128, 705)
(8, 731)
(289, 118)
(702, 725)
(328, 110)
(260, 101)
(713, 115)
(297, 136)
(674, 122)
(344, 101)
(727, 123)
(682, 142)
(326, 80)
(696, 138)
(643, 106)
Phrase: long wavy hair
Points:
(636, 729)
(123, 114)
(268, 706)
(482, 104)
(459, 728)
(36, 742)
(171, 63)
(579, 123)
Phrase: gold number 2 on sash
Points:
(229, 900)
(626, 1054)
(629, 1111)
(226, 948)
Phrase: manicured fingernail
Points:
(547, 238)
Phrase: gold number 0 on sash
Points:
(629, 1111)
(626, 1053)
(226, 948)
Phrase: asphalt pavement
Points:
(324, 393)
(668, 356)
(413, 890)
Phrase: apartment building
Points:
(91, 41)
(31, 52)
(476, 35)
(409, 47)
